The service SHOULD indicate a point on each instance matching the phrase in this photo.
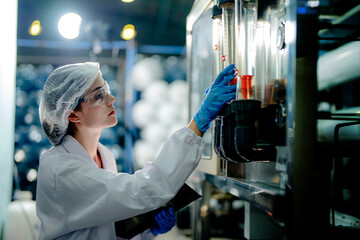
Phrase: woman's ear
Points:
(73, 117)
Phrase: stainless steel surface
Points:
(269, 198)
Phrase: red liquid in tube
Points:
(246, 88)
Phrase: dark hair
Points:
(78, 107)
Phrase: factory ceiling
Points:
(157, 22)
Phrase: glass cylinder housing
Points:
(261, 50)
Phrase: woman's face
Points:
(98, 110)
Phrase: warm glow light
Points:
(69, 25)
(35, 28)
(128, 32)
(127, 1)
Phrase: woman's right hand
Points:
(219, 93)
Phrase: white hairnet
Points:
(62, 91)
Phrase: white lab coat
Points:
(77, 200)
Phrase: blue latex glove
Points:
(219, 93)
(165, 221)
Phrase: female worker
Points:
(80, 194)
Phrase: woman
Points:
(80, 194)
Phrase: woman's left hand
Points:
(165, 221)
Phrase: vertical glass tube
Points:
(228, 19)
(217, 40)
(266, 62)
(262, 64)
(238, 27)
(270, 52)
(245, 19)
(279, 52)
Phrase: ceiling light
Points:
(35, 28)
(127, 1)
(128, 32)
(69, 25)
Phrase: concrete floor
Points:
(176, 234)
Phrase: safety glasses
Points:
(97, 97)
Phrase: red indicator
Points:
(216, 47)
(269, 213)
(246, 88)
(234, 81)
(223, 58)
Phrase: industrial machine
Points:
(264, 146)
